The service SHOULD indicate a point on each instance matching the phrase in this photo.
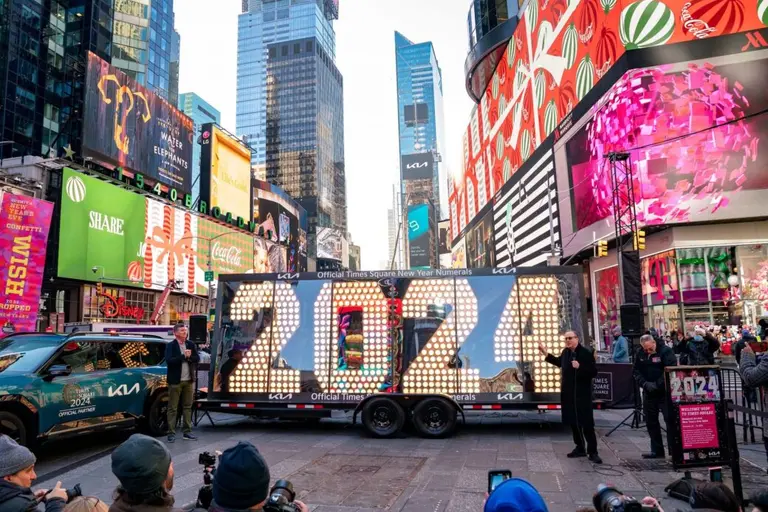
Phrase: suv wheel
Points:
(157, 417)
(12, 426)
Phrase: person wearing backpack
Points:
(701, 348)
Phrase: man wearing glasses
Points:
(577, 369)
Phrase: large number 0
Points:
(254, 374)
(429, 372)
(375, 367)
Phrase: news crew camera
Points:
(241, 481)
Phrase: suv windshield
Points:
(25, 354)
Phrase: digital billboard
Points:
(697, 142)
(418, 166)
(444, 248)
(479, 239)
(225, 172)
(559, 52)
(459, 254)
(329, 244)
(419, 238)
(134, 240)
(24, 224)
(126, 125)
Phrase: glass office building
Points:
(305, 133)
(266, 22)
(485, 15)
(146, 44)
(201, 112)
(424, 179)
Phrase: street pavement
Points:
(334, 466)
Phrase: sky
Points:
(365, 55)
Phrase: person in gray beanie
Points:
(143, 466)
(17, 471)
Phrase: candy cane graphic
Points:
(168, 230)
(191, 260)
(147, 251)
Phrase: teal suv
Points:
(54, 386)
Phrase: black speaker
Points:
(632, 319)
(198, 328)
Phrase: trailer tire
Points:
(434, 418)
(383, 417)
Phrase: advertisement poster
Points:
(128, 126)
(102, 231)
(459, 254)
(225, 172)
(168, 252)
(285, 228)
(24, 224)
(418, 166)
(269, 257)
(418, 236)
(329, 243)
(231, 251)
(698, 426)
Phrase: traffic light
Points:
(639, 240)
(602, 248)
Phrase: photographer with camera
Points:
(143, 466)
(17, 471)
(241, 482)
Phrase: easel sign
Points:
(698, 417)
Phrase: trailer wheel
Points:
(383, 417)
(434, 417)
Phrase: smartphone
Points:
(715, 474)
(496, 476)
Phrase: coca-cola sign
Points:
(227, 254)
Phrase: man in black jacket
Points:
(649, 375)
(577, 369)
(181, 358)
(17, 471)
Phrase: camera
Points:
(281, 497)
(610, 499)
(205, 494)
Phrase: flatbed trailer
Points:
(391, 346)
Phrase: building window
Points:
(284, 50)
(25, 98)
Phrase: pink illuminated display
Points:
(691, 146)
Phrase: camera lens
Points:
(282, 492)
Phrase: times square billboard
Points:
(126, 125)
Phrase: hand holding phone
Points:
(496, 476)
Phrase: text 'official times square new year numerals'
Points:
(256, 374)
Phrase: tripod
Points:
(637, 420)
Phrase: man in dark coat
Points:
(577, 369)
(181, 358)
(17, 471)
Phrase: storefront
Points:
(132, 305)
(695, 282)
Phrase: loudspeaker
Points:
(198, 328)
(632, 319)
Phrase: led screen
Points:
(696, 139)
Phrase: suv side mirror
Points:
(58, 370)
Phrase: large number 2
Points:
(253, 374)
(375, 367)
(430, 371)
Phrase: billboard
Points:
(419, 236)
(24, 224)
(689, 166)
(126, 125)
(479, 240)
(444, 248)
(559, 52)
(525, 218)
(225, 172)
(134, 240)
(329, 244)
(459, 254)
(102, 228)
(417, 166)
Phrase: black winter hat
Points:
(242, 477)
(141, 464)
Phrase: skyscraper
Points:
(305, 139)
(266, 22)
(423, 176)
(145, 44)
(395, 239)
(201, 112)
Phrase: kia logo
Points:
(417, 165)
(509, 396)
(504, 271)
(288, 276)
(280, 396)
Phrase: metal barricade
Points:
(747, 416)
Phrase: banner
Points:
(419, 236)
(231, 252)
(24, 224)
(225, 172)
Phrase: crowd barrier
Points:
(748, 404)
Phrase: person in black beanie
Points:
(143, 466)
(17, 471)
(241, 481)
